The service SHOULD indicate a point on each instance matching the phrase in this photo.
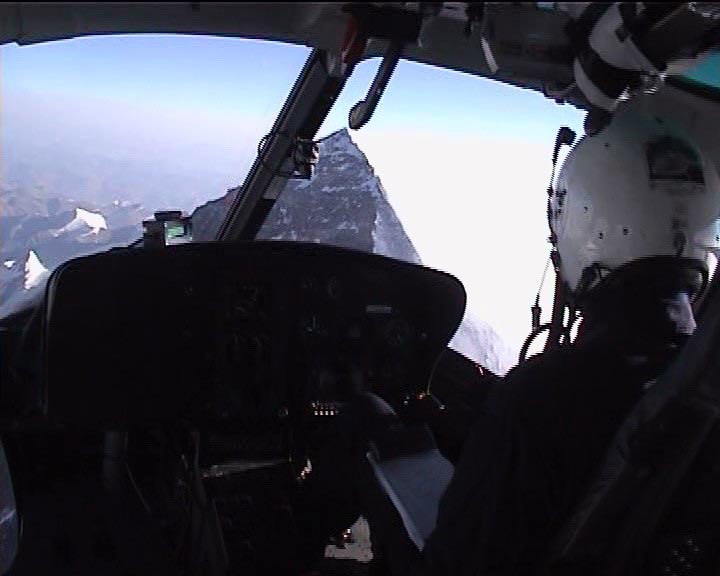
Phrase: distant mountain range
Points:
(344, 204)
(38, 233)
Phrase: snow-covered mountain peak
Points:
(55, 229)
(35, 271)
(340, 142)
(345, 204)
(339, 151)
(84, 219)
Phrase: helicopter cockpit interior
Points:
(161, 409)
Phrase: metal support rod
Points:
(361, 113)
(316, 89)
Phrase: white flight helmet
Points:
(639, 188)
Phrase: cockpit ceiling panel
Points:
(313, 24)
(527, 41)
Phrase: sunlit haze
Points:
(174, 121)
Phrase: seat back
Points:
(650, 469)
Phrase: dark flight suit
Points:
(545, 430)
(530, 456)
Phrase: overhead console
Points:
(236, 334)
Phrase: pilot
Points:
(634, 219)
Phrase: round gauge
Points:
(246, 301)
(397, 332)
(308, 284)
(333, 288)
(312, 326)
(354, 332)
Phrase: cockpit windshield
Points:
(99, 133)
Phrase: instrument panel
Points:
(240, 335)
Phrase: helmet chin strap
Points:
(565, 136)
(564, 300)
(561, 299)
(555, 328)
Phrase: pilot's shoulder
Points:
(550, 373)
(537, 395)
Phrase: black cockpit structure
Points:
(161, 405)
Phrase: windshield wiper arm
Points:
(361, 113)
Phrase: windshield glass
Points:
(451, 172)
(99, 133)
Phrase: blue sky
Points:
(186, 71)
(225, 75)
(465, 161)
